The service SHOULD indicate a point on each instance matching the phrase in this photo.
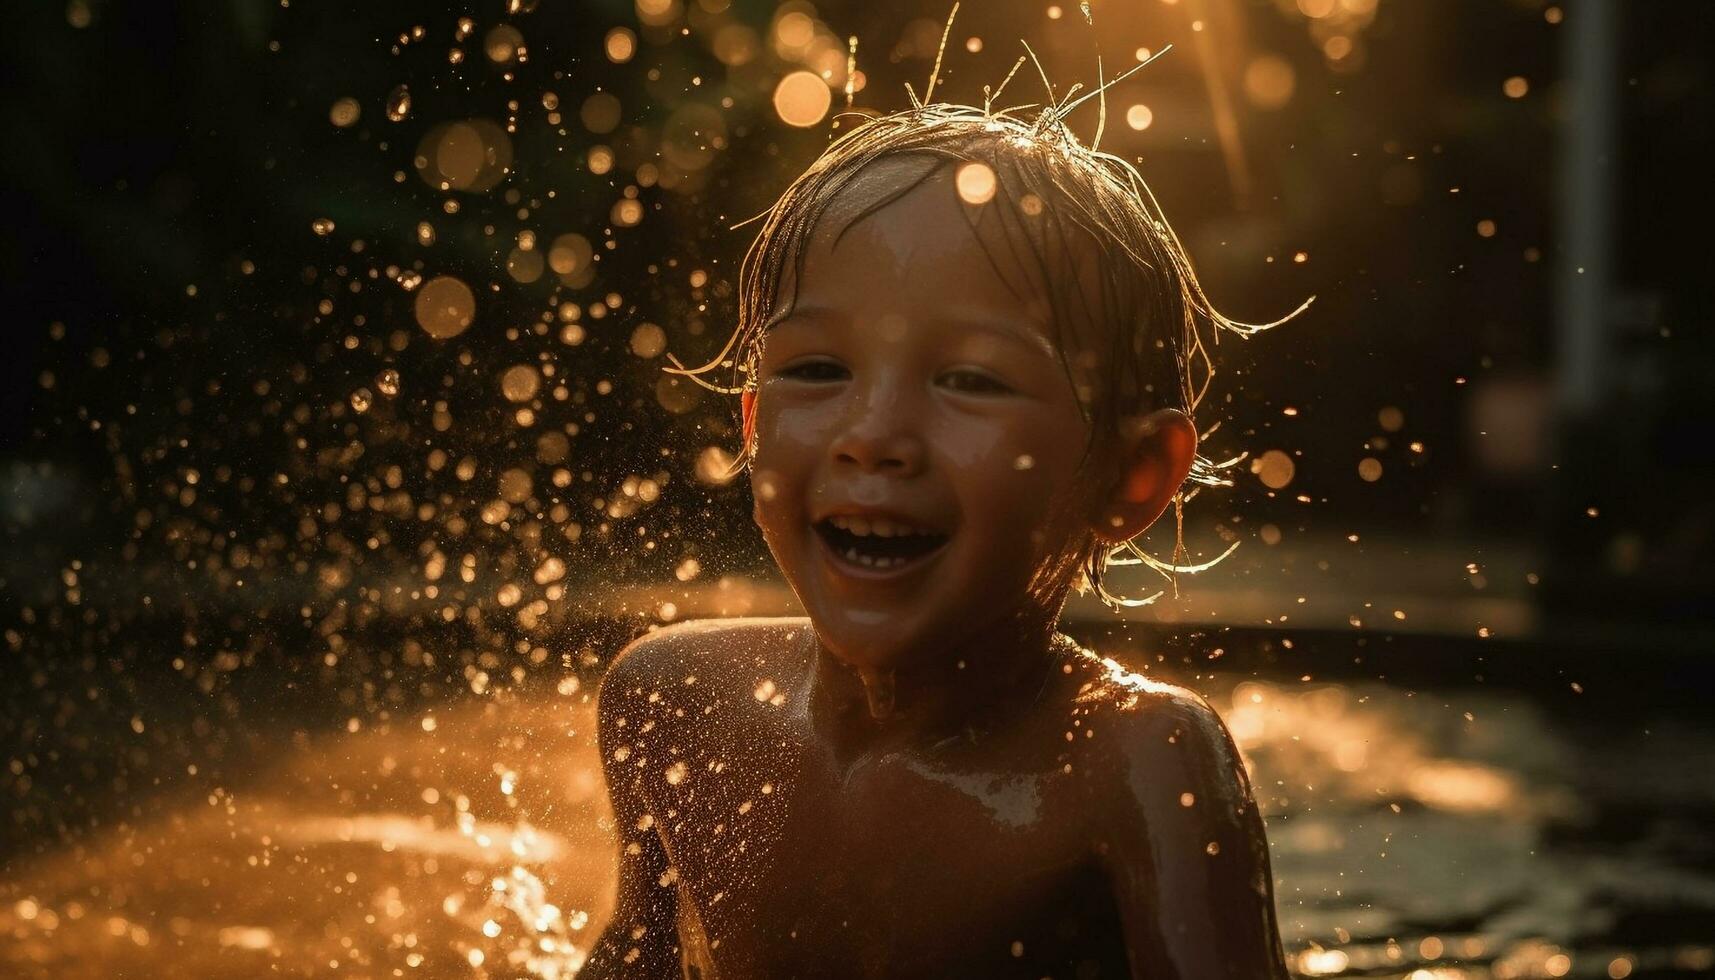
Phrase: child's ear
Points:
(747, 415)
(1158, 451)
(747, 412)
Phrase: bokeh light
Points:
(1269, 82)
(345, 112)
(524, 265)
(520, 383)
(802, 99)
(1274, 468)
(503, 44)
(648, 340)
(600, 113)
(473, 155)
(975, 182)
(620, 45)
(570, 253)
(657, 13)
(445, 307)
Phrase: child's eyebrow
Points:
(801, 313)
(1002, 328)
(1010, 330)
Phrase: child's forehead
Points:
(877, 184)
(902, 212)
(907, 210)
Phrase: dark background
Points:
(155, 149)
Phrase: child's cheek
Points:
(1015, 485)
(1035, 489)
(783, 427)
(976, 448)
(785, 455)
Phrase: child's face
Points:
(910, 389)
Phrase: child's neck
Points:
(964, 691)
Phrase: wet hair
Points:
(1082, 226)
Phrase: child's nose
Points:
(879, 436)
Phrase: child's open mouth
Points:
(878, 544)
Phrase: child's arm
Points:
(1185, 849)
(642, 902)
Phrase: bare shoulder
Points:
(1138, 722)
(1173, 820)
(706, 651)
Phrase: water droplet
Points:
(801, 99)
(387, 382)
(322, 226)
(445, 307)
(648, 340)
(620, 44)
(345, 112)
(503, 44)
(361, 399)
(520, 383)
(1274, 468)
(976, 183)
(399, 103)
(515, 485)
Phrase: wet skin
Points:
(922, 778)
(1075, 821)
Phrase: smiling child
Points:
(970, 347)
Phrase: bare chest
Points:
(944, 861)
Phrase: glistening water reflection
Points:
(471, 841)
(1416, 834)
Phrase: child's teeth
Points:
(872, 561)
(881, 527)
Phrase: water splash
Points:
(399, 103)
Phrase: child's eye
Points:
(819, 371)
(974, 383)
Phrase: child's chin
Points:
(875, 640)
